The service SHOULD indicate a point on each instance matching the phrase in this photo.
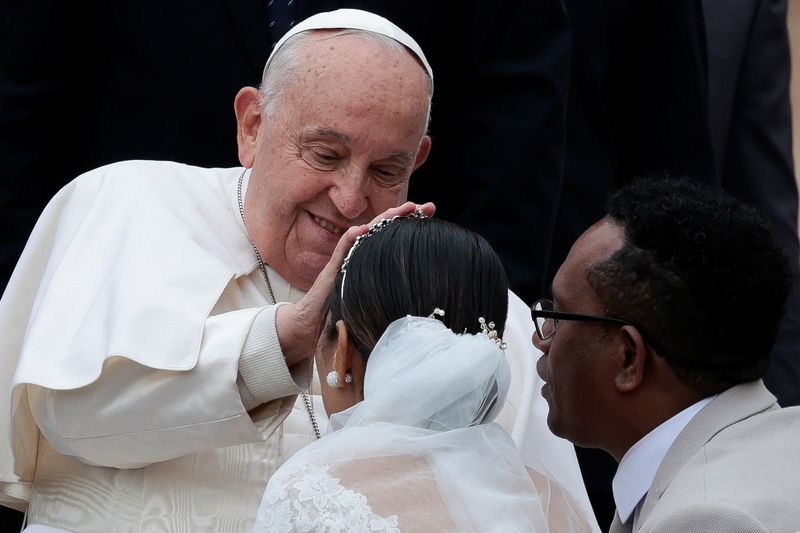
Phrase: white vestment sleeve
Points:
(134, 415)
(263, 376)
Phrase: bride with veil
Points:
(411, 355)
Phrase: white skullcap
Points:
(355, 19)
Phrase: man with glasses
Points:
(655, 343)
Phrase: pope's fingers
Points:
(428, 209)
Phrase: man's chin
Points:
(556, 428)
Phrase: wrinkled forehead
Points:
(354, 19)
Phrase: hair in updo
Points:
(412, 266)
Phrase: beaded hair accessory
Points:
(375, 228)
(486, 328)
(491, 333)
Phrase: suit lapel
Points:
(619, 527)
(733, 405)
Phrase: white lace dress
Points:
(310, 499)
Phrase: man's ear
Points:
(248, 120)
(633, 360)
(423, 152)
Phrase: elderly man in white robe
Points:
(158, 328)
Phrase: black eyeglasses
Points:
(546, 320)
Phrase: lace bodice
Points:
(310, 499)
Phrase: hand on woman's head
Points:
(409, 266)
(294, 321)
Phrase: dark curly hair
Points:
(412, 266)
(701, 276)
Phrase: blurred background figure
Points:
(749, 71)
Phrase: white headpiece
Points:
(355, 19)
(422, 374)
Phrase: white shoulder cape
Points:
(129, 248)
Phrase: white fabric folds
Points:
(419, 453)
(131, 278)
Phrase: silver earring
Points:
(348, 378)
(332, 379)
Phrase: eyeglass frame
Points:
(559, 315)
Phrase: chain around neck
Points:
(261, 264)
(306, 398)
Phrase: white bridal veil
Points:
(419, 453)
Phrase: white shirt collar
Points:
(638, 467)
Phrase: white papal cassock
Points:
(144, 386)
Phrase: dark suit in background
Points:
(637, 104)
(751, 131)
(662, 85)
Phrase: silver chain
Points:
(306, 397)
(310, 411)
(258, 255)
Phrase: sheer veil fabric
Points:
(420, 452)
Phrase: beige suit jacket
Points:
(734, 468)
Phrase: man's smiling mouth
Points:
(329, 226)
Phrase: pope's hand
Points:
(298, 324)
